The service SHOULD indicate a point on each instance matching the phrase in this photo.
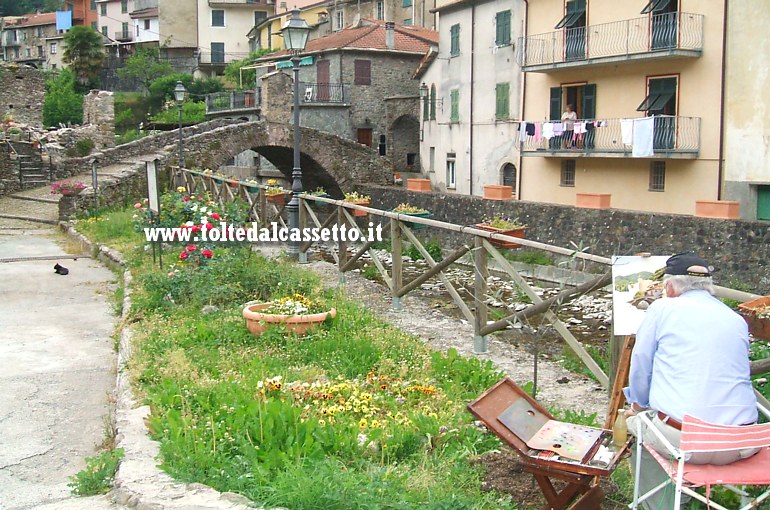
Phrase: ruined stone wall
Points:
(22, 90)
(99, 111)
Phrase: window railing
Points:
(638, 36)
(227, 101)
(671, 135)
(322, 93)
(124, 36)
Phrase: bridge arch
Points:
(326, 160)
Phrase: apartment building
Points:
(644, 80)
(746, 122)
(358, 83)
(343, 13)
(223, 28)
(25, 39)
(144, 17)
(114, 22)
(266, 33)
(471, 89)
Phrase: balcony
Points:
(10, 42)
(141, 5)
(322, 93)
(232, 3)
(124, 36)
(233, 101)
(668, 35)
(673, 137)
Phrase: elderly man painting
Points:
(691, 357)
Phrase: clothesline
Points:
(637, 133)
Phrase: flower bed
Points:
(297, 314)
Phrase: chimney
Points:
(390, 35)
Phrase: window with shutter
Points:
(433, 102)
(454, 35)
(217, 18)
(502, 101)
(363, 72)
(503, 28)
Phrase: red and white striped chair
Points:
(700, 436)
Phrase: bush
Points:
(192, 112)
(129, 136)
(98, 475)
(84, 147)
(62, 105)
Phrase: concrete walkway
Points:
(56, 363)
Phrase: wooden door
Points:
(364, 136)
(322, 80)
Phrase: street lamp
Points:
(179, 94)
(295, 33)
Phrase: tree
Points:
(84, 52)
(145, 67)
(249, 76)
(18, 7)
(62, 105)
(162, 89)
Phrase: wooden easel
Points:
(582, 490)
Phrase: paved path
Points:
(56, 365)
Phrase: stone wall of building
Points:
(739, 249)
(22, 90)
(99, 111)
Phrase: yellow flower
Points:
(181, 189)
(322, 422)
(363, 424)
(375, 424)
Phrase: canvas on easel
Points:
(633, 290)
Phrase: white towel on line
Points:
(644, 130)
(627, 131)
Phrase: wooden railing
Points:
(478, 249)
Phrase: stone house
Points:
(357, 83)
(25, 39)
(471, 93)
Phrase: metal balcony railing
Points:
(638, 37)
(140, 5)
(672, 136)
(322, 92)
(10, 41)
(228, 101)
(124, 36)
(233, 2)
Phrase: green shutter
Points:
(555, 103)
(503, 28)
(455, 112)
(588, 110)
(432, 102)
(425, 107)
(502, 101)
(763, 202)
(455, 40)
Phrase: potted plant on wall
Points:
(67, 188)
(503, 225)
(356, 198)
(297, 313)
(276, 193)
(411, 210)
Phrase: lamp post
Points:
(179, 94)
(295, 33)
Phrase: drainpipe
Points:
(720, 178)
(522, 47)
(470, 127)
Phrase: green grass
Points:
(356, 415)
(98, 474)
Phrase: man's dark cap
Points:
(684, 264)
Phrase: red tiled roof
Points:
(371, 37)
(47, 18)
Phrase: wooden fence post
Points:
(342, 250)
(481, 271)
(397, 261)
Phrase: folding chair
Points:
(700, 436)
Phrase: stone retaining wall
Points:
(739, 249)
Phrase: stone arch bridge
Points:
(326, 160)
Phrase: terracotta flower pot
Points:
(257, 322)
(516, 232)
(278, 199)
(71, 192)
(356, 212)
(759, 327)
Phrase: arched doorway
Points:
(509, 176)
